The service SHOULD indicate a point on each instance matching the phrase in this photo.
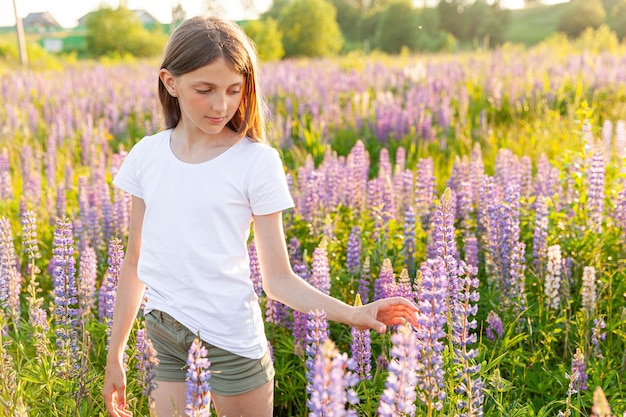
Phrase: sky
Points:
(67, 12)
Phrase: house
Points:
(146, 19)
(40, 22)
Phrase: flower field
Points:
(490, 188)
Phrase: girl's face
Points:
(208, 97)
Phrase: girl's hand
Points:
(114, 390)
(382, 313)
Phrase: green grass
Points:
(532, 25)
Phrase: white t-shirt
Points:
(194, 258)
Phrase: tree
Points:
(617, 19)
(398, 27)
(452, 17)
(349, 19)
(310, 29)
(487, 21)
(267, 38)
(119, 32)
(275, 9)
(581, 14)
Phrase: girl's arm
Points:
(130, 292)
(282, 284)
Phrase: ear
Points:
(168, 81)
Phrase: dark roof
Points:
(41, 19)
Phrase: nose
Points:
(219, 102)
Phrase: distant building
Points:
(146, 19)
(40, 22)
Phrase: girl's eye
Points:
(203, 91)
(235, 92)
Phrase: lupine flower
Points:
(255, 269)
(384, 284)
(320, 269)
(601, 407)
(10, 278)
(398, 398)
(578, 377)
(87, 275)
(317, 327)
(331, 383)
(588, 290)
(424, 190)
(65, 298)
(114, 261)
(494, 326)
(471, 250)
(361, 348)
(552, 284)
(30, 242)
(540, 250)
(595, 191)
(353, 254)
(597, 335)
(432, 317)
(146, 363)
(471, 385)
(197, 381)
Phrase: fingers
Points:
(116, 403)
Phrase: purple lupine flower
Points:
(331, 383)
(597, 335)
(402, 287)
(65, 298)
(432, 317)
(197, 381)
(255, 270)
(361, 348)
(10, 277)
(320, 269)
(471, 250)
(470, 387)
(357, 167)
(444, 241)
(399, 395)
(384, 284)
(147, 361)
(87, 276)
(494, 328)
(578, 377)
(540, 236)
(595, 190)
(353, 253)
(317, 332)
(114, 262)
(424, 190)
(588, 291)
(552, 284)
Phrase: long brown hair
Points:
(198, 42)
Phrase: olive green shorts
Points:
(230, 374)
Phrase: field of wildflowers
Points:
(488, 187)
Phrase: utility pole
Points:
(21, 40)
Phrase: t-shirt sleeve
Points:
(127, 177)
(268, 189)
